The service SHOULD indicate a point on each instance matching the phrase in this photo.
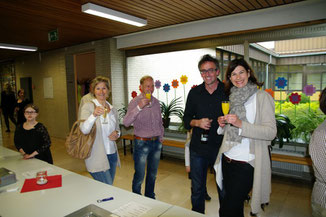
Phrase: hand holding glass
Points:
(225, 108)
(148, 96)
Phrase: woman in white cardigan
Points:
(243, 162)
(104, 158)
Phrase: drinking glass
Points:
(148, 96)
(41, 177)
(104, 116)
(225, 108)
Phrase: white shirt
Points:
(241, 152)
(107, 129)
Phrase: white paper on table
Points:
(131, 209)
(32, 174)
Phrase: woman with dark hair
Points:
(31, 138)
(317, 150)
(243, 162)
(20, 105)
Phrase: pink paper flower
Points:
(309, 90)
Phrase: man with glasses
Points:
(203, 107)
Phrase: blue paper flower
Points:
(281, 82)
(166, 87)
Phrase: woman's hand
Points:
(99, 110)
(114, 135)
(221, 121)
(234, 120)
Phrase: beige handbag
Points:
(79, 145)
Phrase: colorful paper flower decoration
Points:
(166, 87)
(309, 90)
(295, 98)
(175, 83)
(133, 94)
(183, 79)
(193, 86)
(270, 91)
(281, 82)
(157, 84)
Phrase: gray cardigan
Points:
(98, 160)
(260, 134)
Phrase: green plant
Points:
(305, 123)
(284, 129)
(181, 127)
(168, 110)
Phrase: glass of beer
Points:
(225, 108)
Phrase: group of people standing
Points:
(237, 143)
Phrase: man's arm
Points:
(132, 113)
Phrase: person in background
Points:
(104, 158)
(144, 113)
(317, 150)
(86, 98)
(243, 162)
(8, 102)
(31, 138)
(20, 105)
(187, 162)
(203, 107)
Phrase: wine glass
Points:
(104, 116)
(225, 108)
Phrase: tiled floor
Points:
(290, 198)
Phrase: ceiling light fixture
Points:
(17, 47)
(108, 13)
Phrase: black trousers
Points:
(8, 115)
(237, 183)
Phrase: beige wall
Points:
(58, 113)
(53, 111)
(301, 45)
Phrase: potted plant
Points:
(284, 129)
(168, 110)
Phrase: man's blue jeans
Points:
(198, 167)
(149, 151)
(108, 175)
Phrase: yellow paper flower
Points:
(183, 79)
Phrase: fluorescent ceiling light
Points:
(17, 47)
(108, 13)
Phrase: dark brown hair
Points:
(322, 101)
(33, 107)
(208, 58)
(234, 64)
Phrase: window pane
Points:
(282, 68)
(295, 81)
(296, 68)
(314, 79)
(324, 80)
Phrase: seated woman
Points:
(31, 138)
(104, 158)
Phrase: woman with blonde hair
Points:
(104, 157)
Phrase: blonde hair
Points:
(99, 79)
(145, 78)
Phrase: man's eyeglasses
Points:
(31, 112)
(204, 71)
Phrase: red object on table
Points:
(53, 182)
